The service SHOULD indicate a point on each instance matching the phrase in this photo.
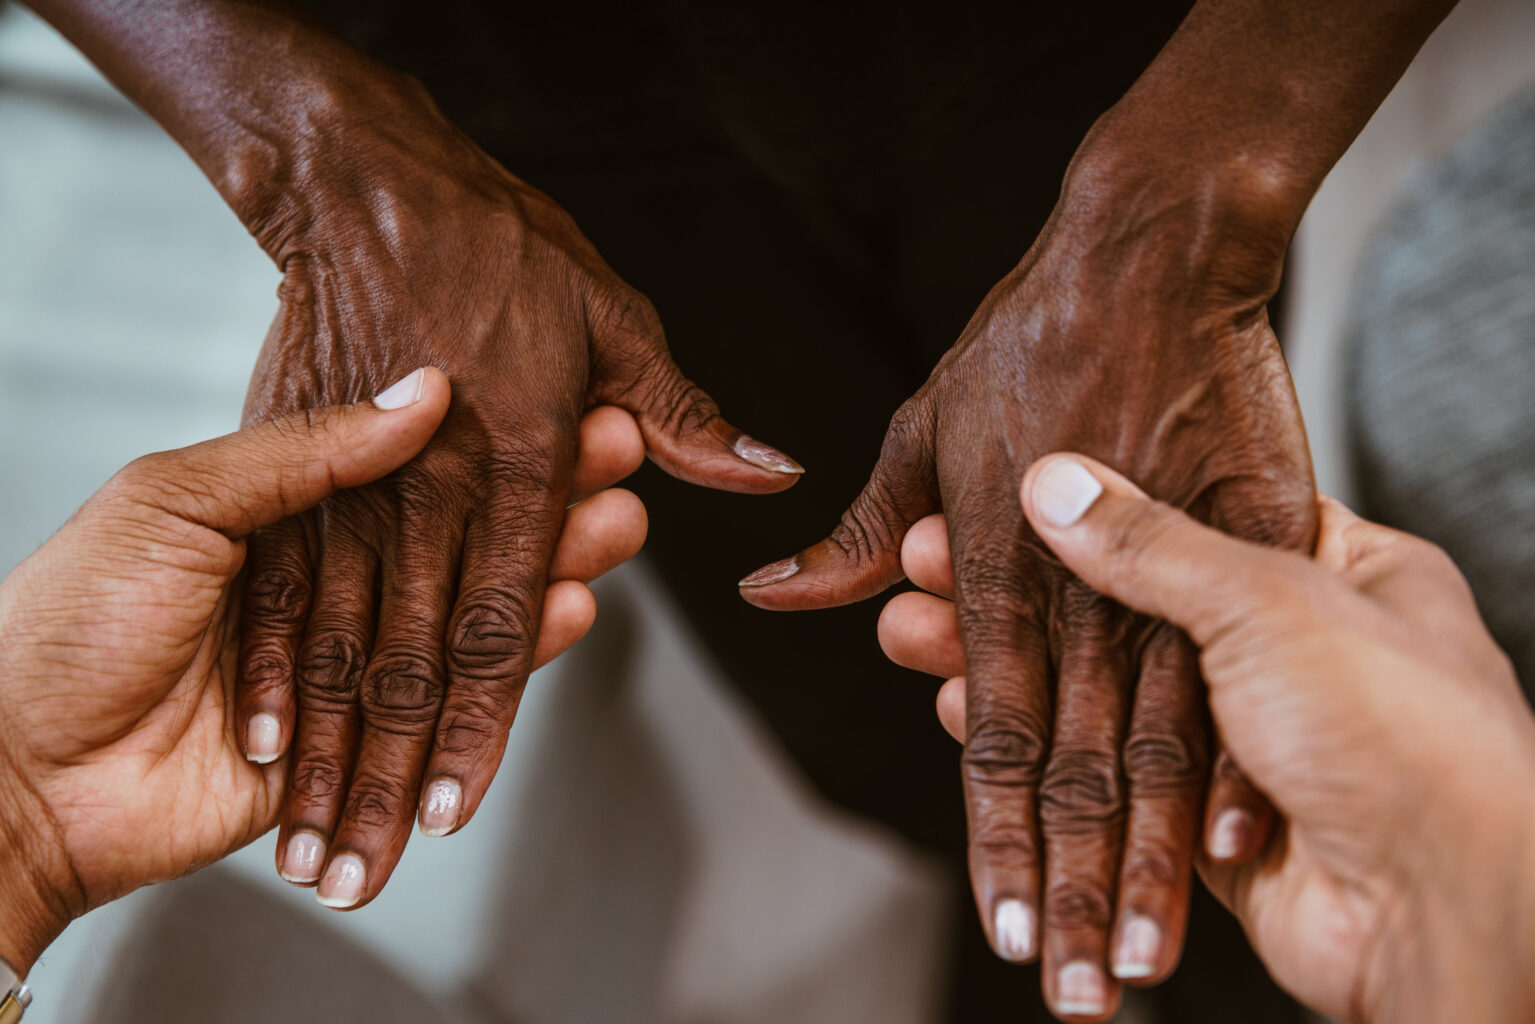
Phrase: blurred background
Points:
(653, 849)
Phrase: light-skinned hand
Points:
(1361, 692)
(123, 761)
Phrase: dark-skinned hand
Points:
(1135, 334)
(390, 632)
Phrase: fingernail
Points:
(1140, 948)
(1230, 834)
(439, 811)
(771, 573)
(403, 392)
(765, 456)
(1014, 930)
(1082, 989)
(302, 858)
(262, 734)
(342, 884)
(1063, 491)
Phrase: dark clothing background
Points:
(816, 196)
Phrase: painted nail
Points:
(1229, 836)
(439, 811)
(1082, 990)
(262, 734)
(1140, 948)
(765, 456)
(403, 392)
(1015, 930)
(342, 884)
(1063, 491)
(774, 573)
(302, 859)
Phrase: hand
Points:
(122, 763)
(1364, 695)
(391, 632)
(1136, 333)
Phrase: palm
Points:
(136, 730)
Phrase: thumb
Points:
(1153, 557)
(862, 556)
(268, 472)
(684, 432)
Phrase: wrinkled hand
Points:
(1363, 693)
(391, 632)
(1134, 330)
(122, 763)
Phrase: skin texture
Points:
(391, 631)
(1363, 693)
(1134, 330)
(122, 763)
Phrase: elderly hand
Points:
(121, 760)
(1362, 693)
(1137, 333)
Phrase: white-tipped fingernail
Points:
(1230, 834)
(1140, 948)
(1082, 990)
(765, 456)
(342, 884)
(777, 572)
(302, 858)
(439, 808)
(1015, 930)
(403, 392)
(1064, 490)
(262, 734)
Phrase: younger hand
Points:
(1362, 693)
(120, 755)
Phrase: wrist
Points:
(1461, 944)
(34, 907)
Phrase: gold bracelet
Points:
(17, 996)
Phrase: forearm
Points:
(257, 93)
(1250, 104)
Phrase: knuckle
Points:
(1158, 761)
(376, 803)
(265, 665)
(331, 669)
(476, 725)
(318, 779)
(522, 460)
(1152, 864)
(1081, 791)
(1007, 751)
(277, 595)
(1077, 905)
(402, 690)
(488, 632)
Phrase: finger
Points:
(331, 664)
(1082, 810)
(570, 611)
(600, 534)
(921, 632)
(1165, 765)
(400, 700)
(274, 607)
(951, 707)
(1238, 818)
(257, 476)
(925, 556)
(1007, 737)
(863, 554)
(611, 449)
(492, 637)
(683, 430)
(1152, 557)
